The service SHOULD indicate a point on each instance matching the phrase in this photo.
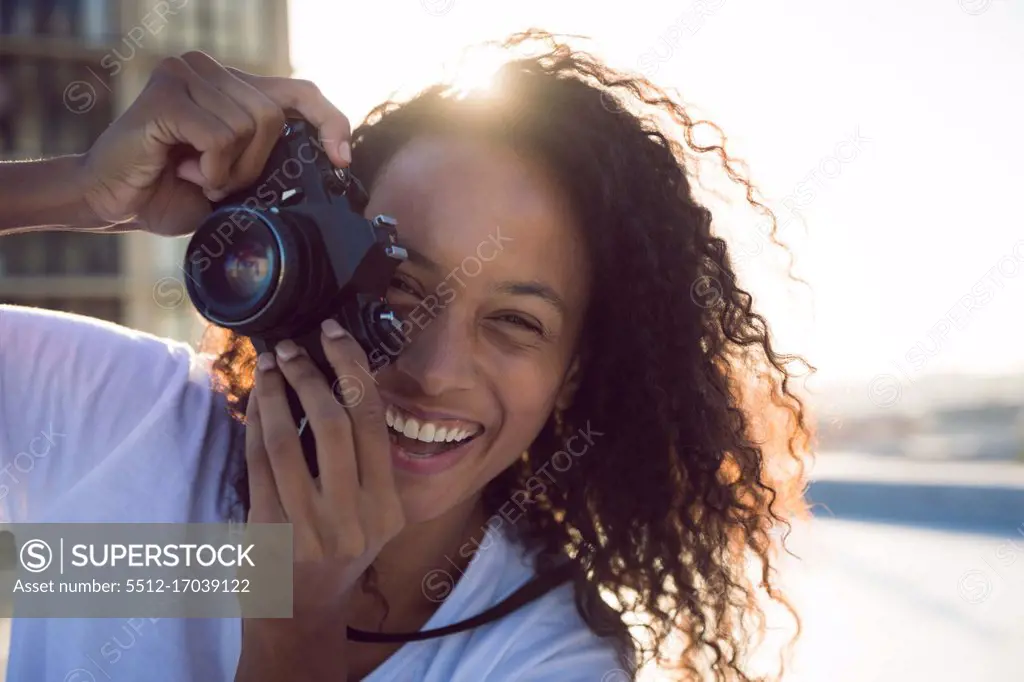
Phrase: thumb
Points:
(189, 170)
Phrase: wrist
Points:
(73, 210)
(47, 194)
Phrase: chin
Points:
(424, 501)
(428, 495)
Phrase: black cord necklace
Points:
(533, 589)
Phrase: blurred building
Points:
(972, 430)
(69, 67)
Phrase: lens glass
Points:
(234, 263)
(247, 268)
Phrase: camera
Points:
(273, 260)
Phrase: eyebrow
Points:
(538, 289)
(417, 258)
(531, 288)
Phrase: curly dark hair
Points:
(701, 465)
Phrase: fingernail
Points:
(215, 194)
(287, 350)
(266, 361)
(332, 329)
(345, 152)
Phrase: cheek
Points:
(526, 406)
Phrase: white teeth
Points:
(427, 432)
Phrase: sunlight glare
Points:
(475, 72)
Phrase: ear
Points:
(571, 382)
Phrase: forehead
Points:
(457, 198)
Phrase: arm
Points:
(45, 194)
(158, 166)
(86, 410)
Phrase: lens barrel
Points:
(244, 267)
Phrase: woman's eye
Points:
(520, 321)
(404, 287)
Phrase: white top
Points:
(100, 423)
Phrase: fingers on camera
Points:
(305, 98)
(229, 121)
(264, 118)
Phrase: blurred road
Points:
(895, 604)
(910, 572)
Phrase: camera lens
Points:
(234, 265)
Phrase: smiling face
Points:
(493, 296)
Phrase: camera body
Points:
(272, 261)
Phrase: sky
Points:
(893, 131)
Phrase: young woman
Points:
(586, 383)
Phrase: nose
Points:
(439, 356)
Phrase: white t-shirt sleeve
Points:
(94, 413)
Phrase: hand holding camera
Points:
(197, 132)
(277, 258)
